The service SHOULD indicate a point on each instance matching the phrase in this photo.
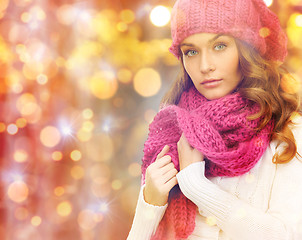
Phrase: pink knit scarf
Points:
(221, 131)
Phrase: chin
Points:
(214, 96)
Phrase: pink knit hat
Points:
(249, 20)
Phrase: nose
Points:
(206, 63)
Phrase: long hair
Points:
(263, 82)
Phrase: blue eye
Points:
(220, 46)
(191, 53)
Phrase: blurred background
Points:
(79, 83)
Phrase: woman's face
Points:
(212, 62)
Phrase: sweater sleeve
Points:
(146, 219)
(240, 220)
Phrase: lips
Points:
(209, 83)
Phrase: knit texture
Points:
(249, 20)
(220, 130)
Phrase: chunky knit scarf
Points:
(221, 131)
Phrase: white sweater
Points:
(263, 204)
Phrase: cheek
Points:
(234, 67)
(190, 69)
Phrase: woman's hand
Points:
(186, 154)
(160, 179)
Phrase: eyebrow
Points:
(210, 41)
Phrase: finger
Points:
(169, 175)
(163, 161)
(163, 152)
(167, 167)
(170, 184)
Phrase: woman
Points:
(222, 157)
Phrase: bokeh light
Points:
(86, 219)
(127, 15)
(36, 221)
(59, 191)
(29, 108)
(50, 136)
(294, 31)
(268, 2)
(12, 129)
(18, 191)
(103, 85)
(57, 156)
(66, 14)
(124, 75)
(87, 113)
(20, 156)
(64, 208)
(26, 104)
(299, 20)
(83, 135)
(264, 32)
(21, 122)
(3, 6)
(160, 16)
(75, 155)
(42, 79)
(77, 172)
(117, 184)
(2, 127)
(134, 169)
(88, 126)
(147, 82)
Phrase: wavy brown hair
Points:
(263, 83)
